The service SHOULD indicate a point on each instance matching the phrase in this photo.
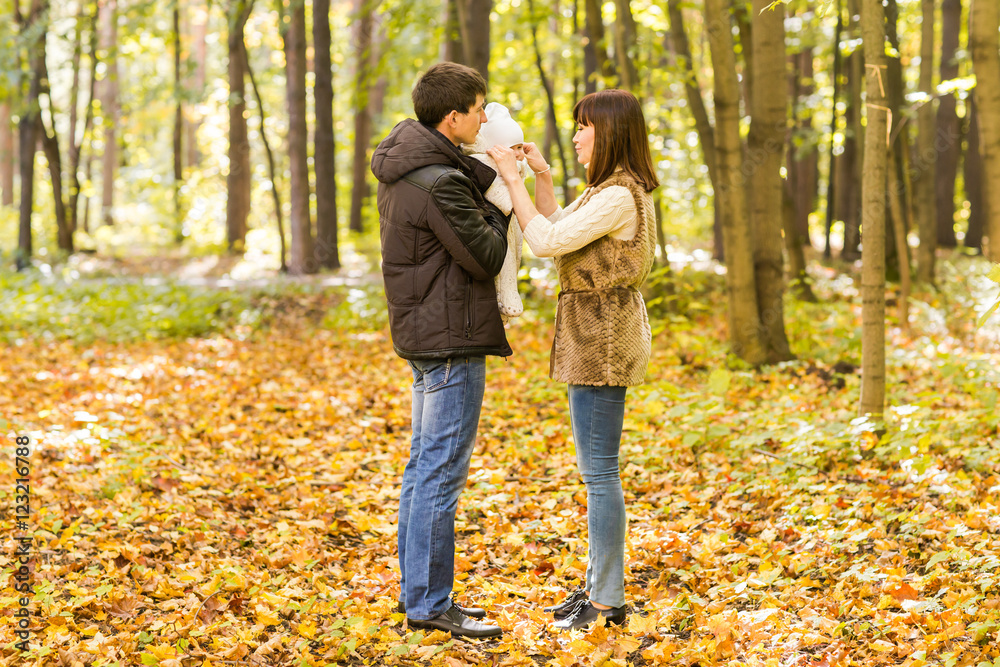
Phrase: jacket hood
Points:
(412, 145)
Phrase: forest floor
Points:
(214, 475)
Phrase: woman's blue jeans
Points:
(597, 415)
(447, 399)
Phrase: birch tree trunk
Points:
(744, 323)
(873, 213)
(766, 144)
(324, 145)
(302, 260)
(986, 65)
(923, 185)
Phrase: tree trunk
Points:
(873, 187)
(238, 179)
(766, 143)
(590, 71)
(28, 127)
(923, 185)
(275, 191)
(803, 150)
(324, 145)
(798, 277)
(6, 156)
(625, 47)
(948, 137)
(899, 230)
(76, 145)
(831, 181)
(452, 48)
(364, 59)
(474, 19)
(109, 106)
(196, 84)
(178, 128)
(744, 323)
(302, 259)
(741, 14)
(986, 64)
(595, 28)
(849, 185)
(53, 155)
(74, 103)
(706, 133)
(899, 132)
(973, 177)
(550, 96)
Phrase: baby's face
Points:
(518, 151)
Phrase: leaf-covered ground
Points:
(230, 498)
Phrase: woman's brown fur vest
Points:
(602, 334)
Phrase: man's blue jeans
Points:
(597, 415)
(447, 399)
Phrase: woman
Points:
(603, 245)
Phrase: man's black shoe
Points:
(564, 608)
(457, 623)
(471, 612)
(585, 613)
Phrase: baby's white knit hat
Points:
(500, 128)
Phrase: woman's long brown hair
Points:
(620, 137)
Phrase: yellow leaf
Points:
(265, 615)
(883, 646)
(641, 625)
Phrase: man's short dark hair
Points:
(444, 87)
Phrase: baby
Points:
(500, 128)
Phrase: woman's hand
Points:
(506, 163)
(534, 158)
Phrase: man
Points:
(442, 245)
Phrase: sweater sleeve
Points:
(609, 212)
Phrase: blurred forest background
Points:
(133, 128)
(132, 125)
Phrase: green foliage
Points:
(61, 307)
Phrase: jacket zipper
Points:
(468, 308)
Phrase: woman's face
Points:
(583, 140)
